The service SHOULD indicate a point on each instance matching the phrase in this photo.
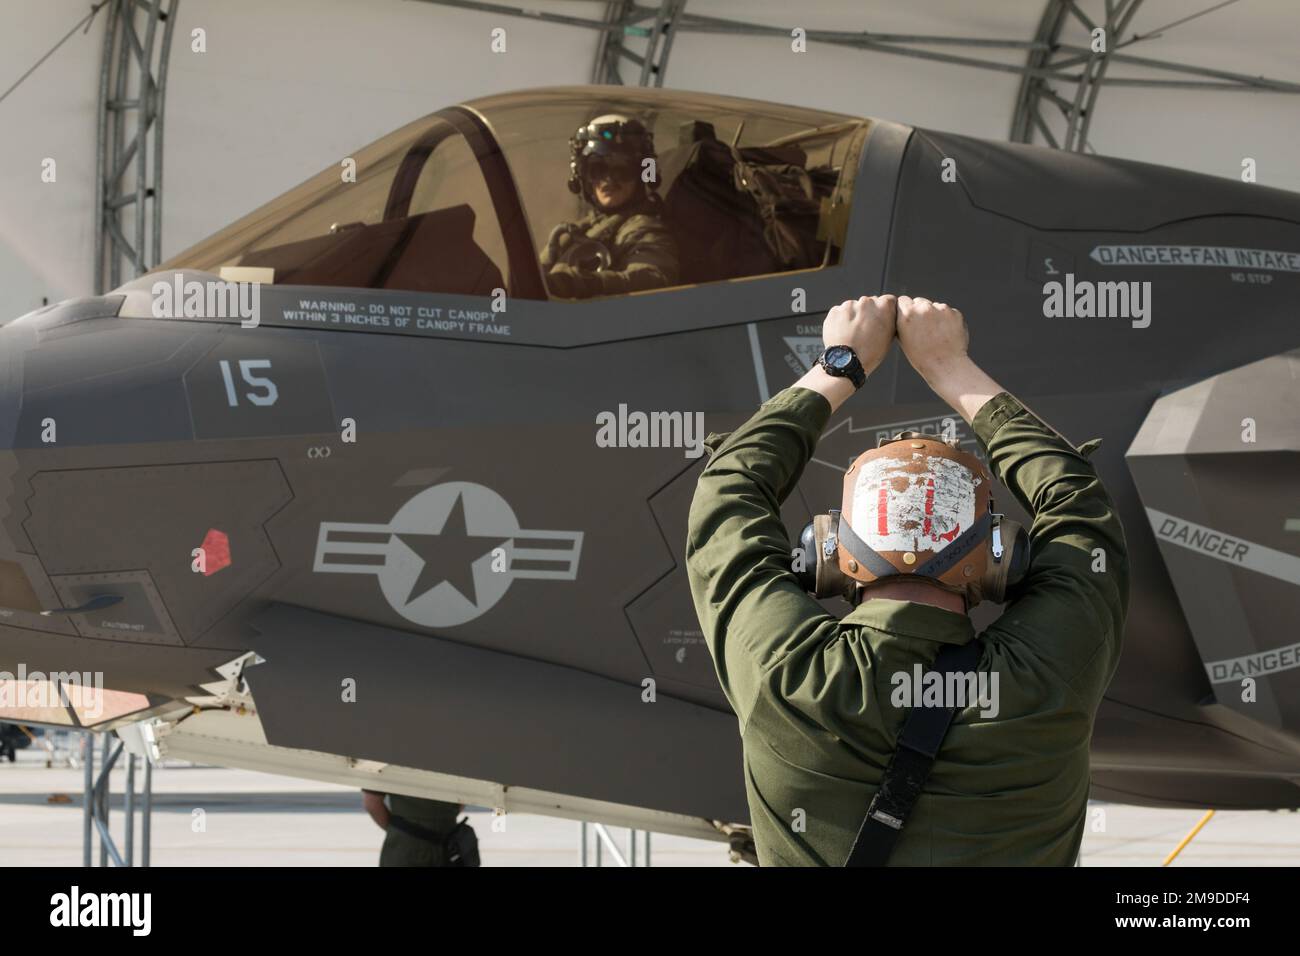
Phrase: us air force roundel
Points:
(435, 558)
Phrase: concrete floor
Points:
(256, 819)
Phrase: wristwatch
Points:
(840, 361)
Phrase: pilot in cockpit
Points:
(622, 244)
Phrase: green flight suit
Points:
(813, 692)
(403, 849)
(643, 253)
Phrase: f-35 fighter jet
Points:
(349, 490)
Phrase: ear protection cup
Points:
(821, 575)
(831, 581)
(807, 573)
(1008, 560)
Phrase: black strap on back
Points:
(413, 829)
(909, 767)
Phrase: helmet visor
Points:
(614, 168)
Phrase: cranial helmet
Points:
(609, 140)
(915, 505)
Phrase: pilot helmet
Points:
(611, 140)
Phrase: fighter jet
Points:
(347, 491)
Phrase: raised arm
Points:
(1069, 610)
(738, 556)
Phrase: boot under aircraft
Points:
(386, 483)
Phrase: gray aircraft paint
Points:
(1225, 547)
(1198, 477)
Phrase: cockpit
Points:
(466, 200)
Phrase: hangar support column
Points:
(128, 177)
(1046, 61)
(624, 19)
(1067, 76)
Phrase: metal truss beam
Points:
(128, 181)
(624, 19)
(95, 805)
(1036, 93)
(1048, 59)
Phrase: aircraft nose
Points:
(20, 338)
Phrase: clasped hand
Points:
(933, 335)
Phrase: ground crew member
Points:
(12, 739)
(813, 692)
(622, 245)
(416, 829)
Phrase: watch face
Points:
(838, 356)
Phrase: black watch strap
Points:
(854, 371)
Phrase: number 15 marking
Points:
(246, 367)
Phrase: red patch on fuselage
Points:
(216, 552)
